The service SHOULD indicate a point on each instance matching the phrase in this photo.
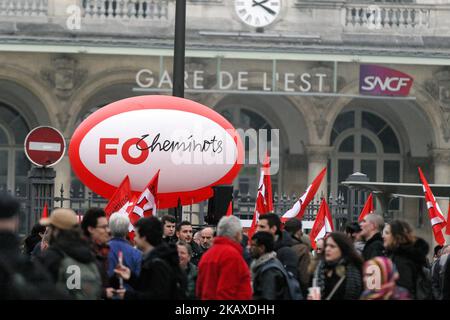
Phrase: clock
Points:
(257, 13)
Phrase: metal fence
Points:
(41, 191)
(244, 207)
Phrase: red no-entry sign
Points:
(44, 146)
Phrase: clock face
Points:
(257, 13)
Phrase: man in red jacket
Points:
(223, 273)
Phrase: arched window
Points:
(77, 188)
(364, 142)
(242, 118)
(14, 165)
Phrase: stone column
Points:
(318, 156)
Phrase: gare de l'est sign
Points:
(374, 80)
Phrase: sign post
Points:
(44, 146)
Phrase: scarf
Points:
(261, 260)
(384, 274)
(353, 285)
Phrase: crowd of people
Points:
(96, 259)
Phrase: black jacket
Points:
(328, 276)
(285, 253)
(197, 253)
(409, 260)
(245, 252)
(172, 239)
(304, 260)
(374, 247)
(446, 282)
(100, 253)
(30, 242)
(270, 284)
(52, 257)
(21, 278)
(161, 277)
(439, 277)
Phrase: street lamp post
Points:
(178, 70)
(179, 49)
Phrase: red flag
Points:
(230, 209)
(368, 208)
(45, 211)
(447, 230)
(264, 201)
(131, 236)
(434, 211)
(300, 206)
(147, 202)
(267, 185)
(120, 197)
(322, 225)
(128, 209)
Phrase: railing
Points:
(78, 200)
(126, 9)
(244, 206)
(25, 8)
(342, 211)
(386, 16)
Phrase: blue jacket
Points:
(131, 257)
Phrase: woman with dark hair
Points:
(34, 238)
(339, 275)
(408, 253)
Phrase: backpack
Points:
(81, 280)
(423, 285)
(295, 292)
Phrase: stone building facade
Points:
(60, 60)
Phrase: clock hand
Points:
(255, 3)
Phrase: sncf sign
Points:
(381, 81)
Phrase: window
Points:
(77, 188)
(248, 178)
(14, 165)
(364, 142)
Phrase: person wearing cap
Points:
(67, 249)
(20, 278)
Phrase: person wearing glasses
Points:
(96, 230)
